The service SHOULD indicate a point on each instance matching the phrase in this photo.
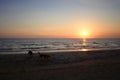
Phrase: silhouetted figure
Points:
(43, 56)
(30, 52)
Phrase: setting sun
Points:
(84, 34)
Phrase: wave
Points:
(56, 44)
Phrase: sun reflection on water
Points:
(84, 49)
(84, 44)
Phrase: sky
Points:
(59, 18)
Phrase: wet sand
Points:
(74, 65)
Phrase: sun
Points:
(84, 34)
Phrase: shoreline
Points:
(74, 65)
(54, 51)
(57, 58)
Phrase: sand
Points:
(73, 65)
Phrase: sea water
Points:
(53, 44)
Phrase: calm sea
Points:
(46, 45)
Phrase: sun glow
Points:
(84, 34)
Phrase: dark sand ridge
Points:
(89, 65)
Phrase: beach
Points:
(59, 39)
(71, 65)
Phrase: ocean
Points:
(22, 45)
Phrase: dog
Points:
(30, 52)
(43, 56)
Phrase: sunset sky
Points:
(59, 18)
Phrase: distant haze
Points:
(59, 18)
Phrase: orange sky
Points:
(60, 19)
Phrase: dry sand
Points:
(76, 65)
